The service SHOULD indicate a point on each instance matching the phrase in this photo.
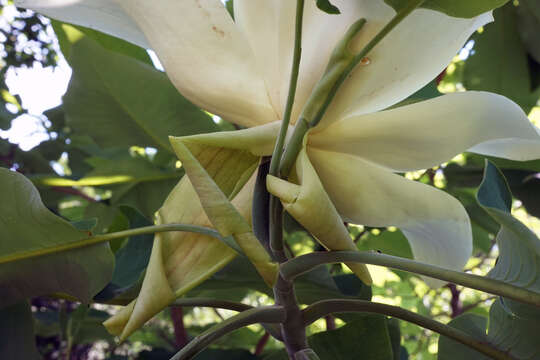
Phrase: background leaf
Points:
(31, 226)
(456, 8)
(517, 336)
(17, 333)
(498, 62)
(327, 7)
(519, 258)
(119, 101)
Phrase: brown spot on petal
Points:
(365, 61)
(218, 31)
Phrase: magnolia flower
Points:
(350, 164)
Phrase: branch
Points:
(228, 305)
(325, 307)
(259, 348)
(213, 303)
(74, 192)
(93, 240)
(267, 314)
(180, 333)
(305, 263)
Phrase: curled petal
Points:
(211, 171)
(179, 261)
(436, 224)
(206, 56)
(103, 15)
(428, 133)
(310, 205)
(258, 140)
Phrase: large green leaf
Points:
(529, 26)
(17, 333)
(517, 336)
(519, 248)
(355, 340)
(120, 101)
(135, 181)
(69, 34)
(456, 8)
(499, 61)
(366, 338)
(472, 324)
(26, 225)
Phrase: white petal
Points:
(428, 133)
(408, 58)
(413, 54)
(103, 15)
(262, 34)
(435, 223)
(206, 56)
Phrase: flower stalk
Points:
(301, 264)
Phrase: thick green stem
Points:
(305, 263)
(339, 67)
(276, 230)
(93, 240)
(272, 329)
(213, 303)
(325, 307)
(278, 148)
(293, 331)
(276, 209)
(268, 314)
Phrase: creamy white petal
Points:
(436, 224)
(258, 20)
(206, 56)
(103, 15)
(408, 58)
(413, 54)
(428, 133)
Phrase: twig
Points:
(72, 191)
(261, 343)
(180, 333)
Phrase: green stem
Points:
(325, 307)
(93, 240)
(229, 305)
(276, 209)
(304, 263)
(340, 66)
(276, 230)
(214, 303)
(293, 81)
(268, 314)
